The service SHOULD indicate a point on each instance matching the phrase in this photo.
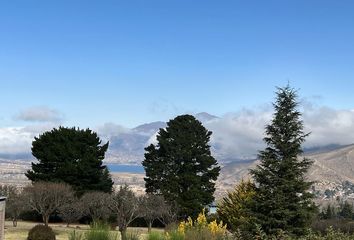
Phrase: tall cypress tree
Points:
(180, 167)
(283, 200)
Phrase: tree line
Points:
(181, 170)
(121, 206)
(341, 210)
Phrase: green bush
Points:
(342, 225)
(330, 234)
(155, 236)
(41, 232)
(100, 231)
(175, 235)
(74, 235)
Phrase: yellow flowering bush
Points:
(217, 229)
(201, 219)
(201, 225)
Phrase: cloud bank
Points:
(240, 135)
(18, 140)
(236, 136)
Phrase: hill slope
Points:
(330, 171)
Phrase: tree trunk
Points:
(149, 226)
(123, 233)
(46, 220)
(14, 222)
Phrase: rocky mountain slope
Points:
(332, 171)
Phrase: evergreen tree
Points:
(73, 156)
(282, 200)
(346, 210)
(234, 209)
(181, 167)
(329, 213)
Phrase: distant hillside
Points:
(332, 173)
(333, 166)
(332, 169)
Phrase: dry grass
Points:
(21, 231)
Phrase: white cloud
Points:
(152, 139)
(39, 114)
(18, 140)
(13, 140)
(110, 129)
(328, 126)
(235, 135)
(240, 135)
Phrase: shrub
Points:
(330, 234)
(155, 236)
(343, 225)
(41, 232)
(201, 229)
(100, 231)
(198, 234)
(174, 235)
(234, 209)
(74, 235)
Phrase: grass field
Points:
(21, 231)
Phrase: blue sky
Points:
(131, 62)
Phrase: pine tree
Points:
(181, 167)
(329, 213)
(346, 210)
(283, 200)
(73, 156)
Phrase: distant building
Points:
(212, 208)
(2, 217)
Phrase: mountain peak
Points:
(150, 127)
(205, 117)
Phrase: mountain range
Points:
(128, 147)
(332, 170)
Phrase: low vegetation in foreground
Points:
(202, 228)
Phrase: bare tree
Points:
(71, 211)
(169, 213)
(152, 207)
(125, 205)
(96, 205)
(47, 197)
(15, 203)
(15, 206)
